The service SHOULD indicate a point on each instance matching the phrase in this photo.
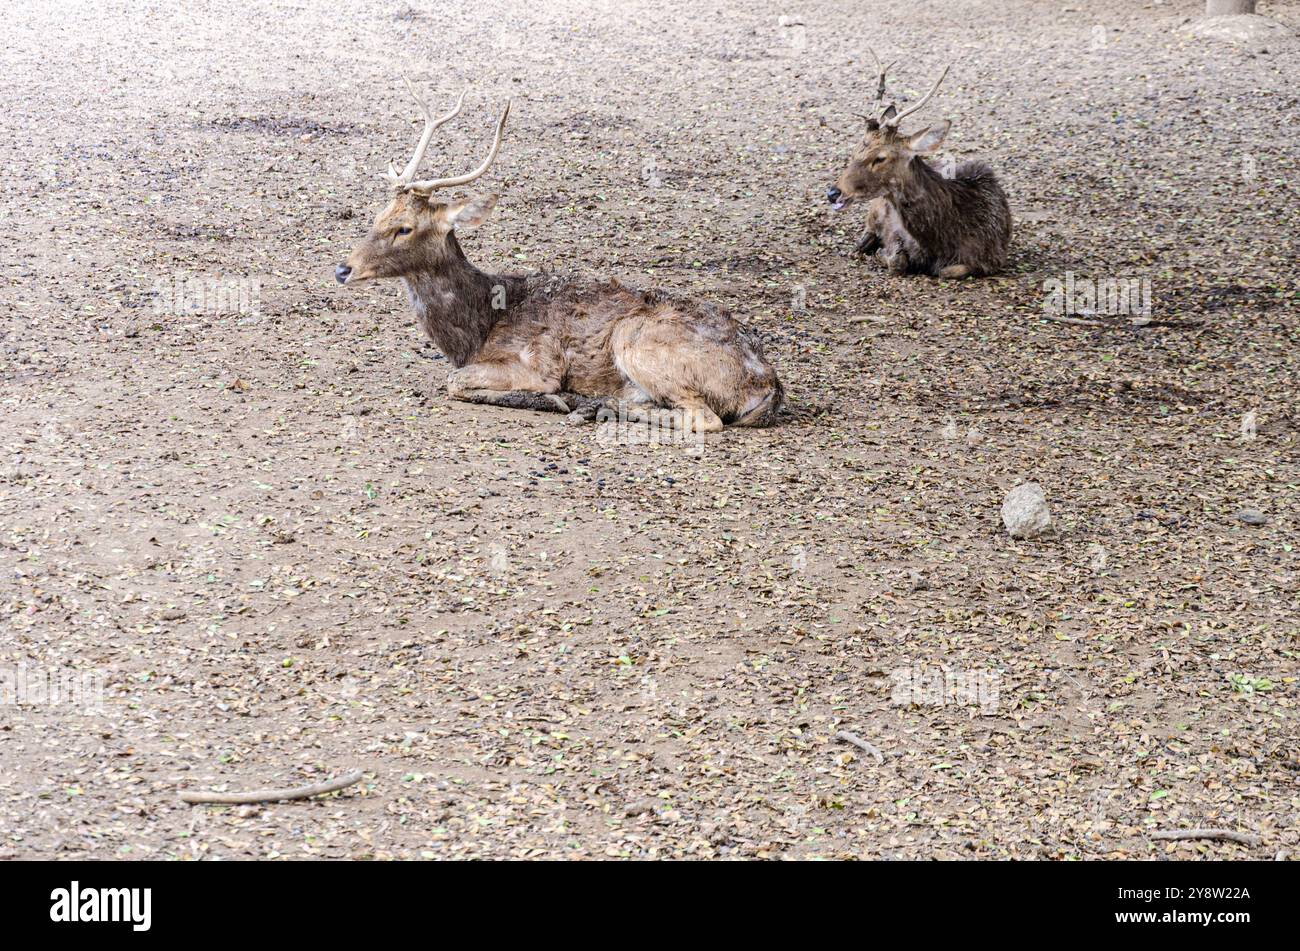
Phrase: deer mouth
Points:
(348, 276)
(839, 201)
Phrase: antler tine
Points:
(880, 74)
(430, 124)
(430, 184)
(922, 101)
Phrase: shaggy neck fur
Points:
(453, 301)
(926, 202)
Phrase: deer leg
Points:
(688, 413)
(896, 260)
(692, 417)
(580, 408)
(869, 243)
(634, 405)
(516, 399)
(878, 216)
(510, 384)
(955, 271)
(586, 409)
(698, 418)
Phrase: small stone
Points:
(1252, 517)
(1025, 512)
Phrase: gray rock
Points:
(1025, 512)
(1252, 517)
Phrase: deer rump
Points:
(606, 341)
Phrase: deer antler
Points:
(896, 119)
(429, 184)
(430, 124)
(880, 74)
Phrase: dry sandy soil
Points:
(289, 555)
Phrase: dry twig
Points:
(1245, 838)
(844, 736)
(274, 795)
(1077, 321)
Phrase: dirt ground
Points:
(289, 555)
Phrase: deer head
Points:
(882, 161)
(414, 232)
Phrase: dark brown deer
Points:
(558, 342)
(921, 220)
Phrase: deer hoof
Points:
(562, 406)
(701, 419)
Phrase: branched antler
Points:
(430, 124)
(405, 180)
(429, 184)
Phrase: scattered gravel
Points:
(265, 526)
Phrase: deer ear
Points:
(927, 140)
(471, 212)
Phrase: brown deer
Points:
(558, 342)
(922, 221)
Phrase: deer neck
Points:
(924, 201)
(457, 304)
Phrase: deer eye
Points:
(402, 231)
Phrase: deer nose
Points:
(833, 194)
(341, 273)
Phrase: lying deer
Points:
(553, 342)
(922, 221)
